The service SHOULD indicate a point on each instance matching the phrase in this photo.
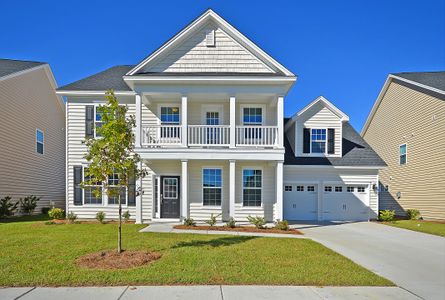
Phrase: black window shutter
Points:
(306, 140)
(331, 141)
(89, 121)
(132, 190)
(77, 188)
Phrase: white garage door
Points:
(300, 202)
(345, 202)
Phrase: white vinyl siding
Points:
(193, 55)
(29, 102)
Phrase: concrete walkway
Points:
(414, 261)
(168, 227)
(205, 293)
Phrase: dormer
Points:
(316, 130)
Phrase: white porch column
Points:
(232, 122)
(279, 191)
(232, 188)
(280, 122)
(184, 189)
(138, 135)
(139, 198)
(184, 120)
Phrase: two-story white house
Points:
(210, 129)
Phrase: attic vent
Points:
(210, 38)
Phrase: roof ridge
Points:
(21, 60)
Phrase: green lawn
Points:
(33, 253)
(430, 227)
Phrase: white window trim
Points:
(104, 194)
(262, 186)
(222, 186)
(178, 105)
(325, 142)
(406, 154)
(205, 108)
(253, 105)
(43, 142)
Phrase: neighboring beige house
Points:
(406, 127)
(210, 130)
(32, 122)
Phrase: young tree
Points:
(111, 157)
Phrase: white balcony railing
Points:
(208, 135)
(256, 135)
(161, 135)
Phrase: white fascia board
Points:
(383, 92)
(206, 79)
(210, 14)
(334, 167)
(223, 154)
(343, 117)
(93, 93)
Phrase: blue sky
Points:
(342, 50)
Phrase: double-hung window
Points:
(211, 187)
(318, 140)
(170, 116)
(39, 141)
(252, 187)
(93, 192)
(98, 122)
(402, 154)
(252, 116)
(114, 190)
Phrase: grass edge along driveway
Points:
(430, 227)
(35, 254)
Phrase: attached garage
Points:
(300, 202)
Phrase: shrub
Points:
(56, 213)
(29, 204)
(413, 214)
(50, 223)
(282, 225)
(231, 223)
(189, 222)
(72, 217)
(212, 220)
(386, 215)
(100, 216)
(259, 222)
(126, 216)
(7, 208)
(45, 210)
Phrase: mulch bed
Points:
(55, 221)
(239, 229)
(112, 260)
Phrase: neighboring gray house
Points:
(32, 131)
(210, 130)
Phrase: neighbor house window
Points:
(113, 197)
(300, 188)
(311, 188)
(89, 191)
(98, 121)
(170, 115)
(350, 189)
(402, 154)
(211, 187)
(288, 188)
(252, 115)
(39, 141)
(361, 189)
(338, 189)
(318, 140)
(252, 187)
(328, 188)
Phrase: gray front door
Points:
(170, 197)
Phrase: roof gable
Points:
(9, 66)
(187, 52)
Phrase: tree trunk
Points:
(119, 233)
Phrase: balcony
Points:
(209, 136)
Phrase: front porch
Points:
(196, 188)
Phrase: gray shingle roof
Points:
(10, 66)
(356, 153)
(109, 79)
(432, 79)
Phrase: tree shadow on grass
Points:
(218, 242)
(18, 219)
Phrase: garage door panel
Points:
(346, 203)
(300, 202)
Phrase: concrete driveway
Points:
(414, 261)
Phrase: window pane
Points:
(252, 197)
(39, 136)
(90, 198)
(114, 198)
(170, 114)
(252, 115)
(40, 148)
(402, 149)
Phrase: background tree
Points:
(112, 154)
